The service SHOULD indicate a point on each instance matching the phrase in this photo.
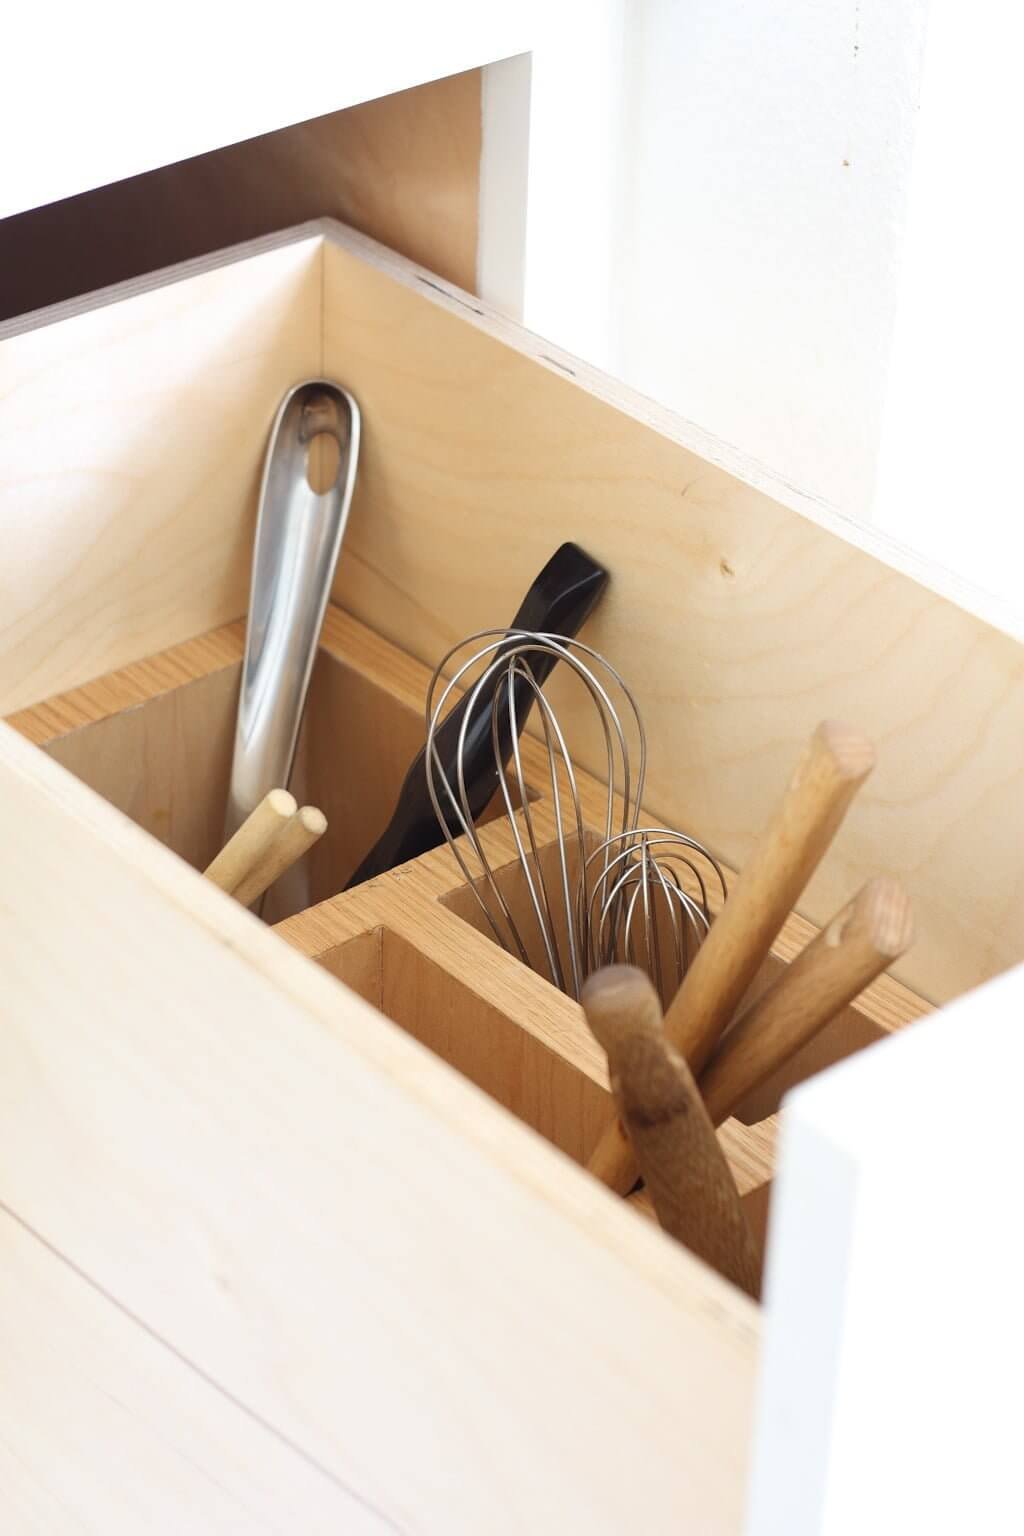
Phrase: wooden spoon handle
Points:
(294, 839)
(685, 1170)
(251, 843)
(835, 763)
(875, 929)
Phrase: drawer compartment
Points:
(155, 739)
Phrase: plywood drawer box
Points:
(267, 1253)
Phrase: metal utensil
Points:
(641, 894)
(298, 539)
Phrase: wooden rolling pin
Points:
(835, 763)
(294, 839)
(683, 1166)
(253, 840)
(858, 944)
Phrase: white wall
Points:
(769, 147)
(949, 478)
(554, 155)
(91, 93)
(796, 222)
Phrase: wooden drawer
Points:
(260, 1228)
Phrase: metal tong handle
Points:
(298, 540)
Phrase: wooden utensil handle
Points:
(856, 946)
(683, 1166)
(835, 763)
(252, 842)
(294, 839)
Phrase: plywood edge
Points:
(885, 1007)
(131, 686)
(163, 277)
(131, 527)
(668, 423)
(221, 1047)
(181, 1445)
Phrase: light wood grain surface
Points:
(154, 738)
(296, 1198)
(133, 437)
(740, 621)
(104, 1427)
(401, 943)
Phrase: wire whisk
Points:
(615, 892)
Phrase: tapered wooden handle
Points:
(683, 1166)
(858, 944)
(835, 763)
(294, 839)
(252, 842)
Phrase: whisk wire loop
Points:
(625, 898)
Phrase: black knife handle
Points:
(559, 602)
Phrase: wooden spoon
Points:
(684, 1168)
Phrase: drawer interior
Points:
(155, 739)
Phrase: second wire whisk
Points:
(615, 892)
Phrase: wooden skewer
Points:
(294, 839)
(835, 763)
(683, 1166)
(252, 841)
(858, 944)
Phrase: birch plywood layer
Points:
(341, 1236)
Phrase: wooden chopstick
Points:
(253, 840)
(293, 839)
(856, 947)
(683, 1166)
(835, 763)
